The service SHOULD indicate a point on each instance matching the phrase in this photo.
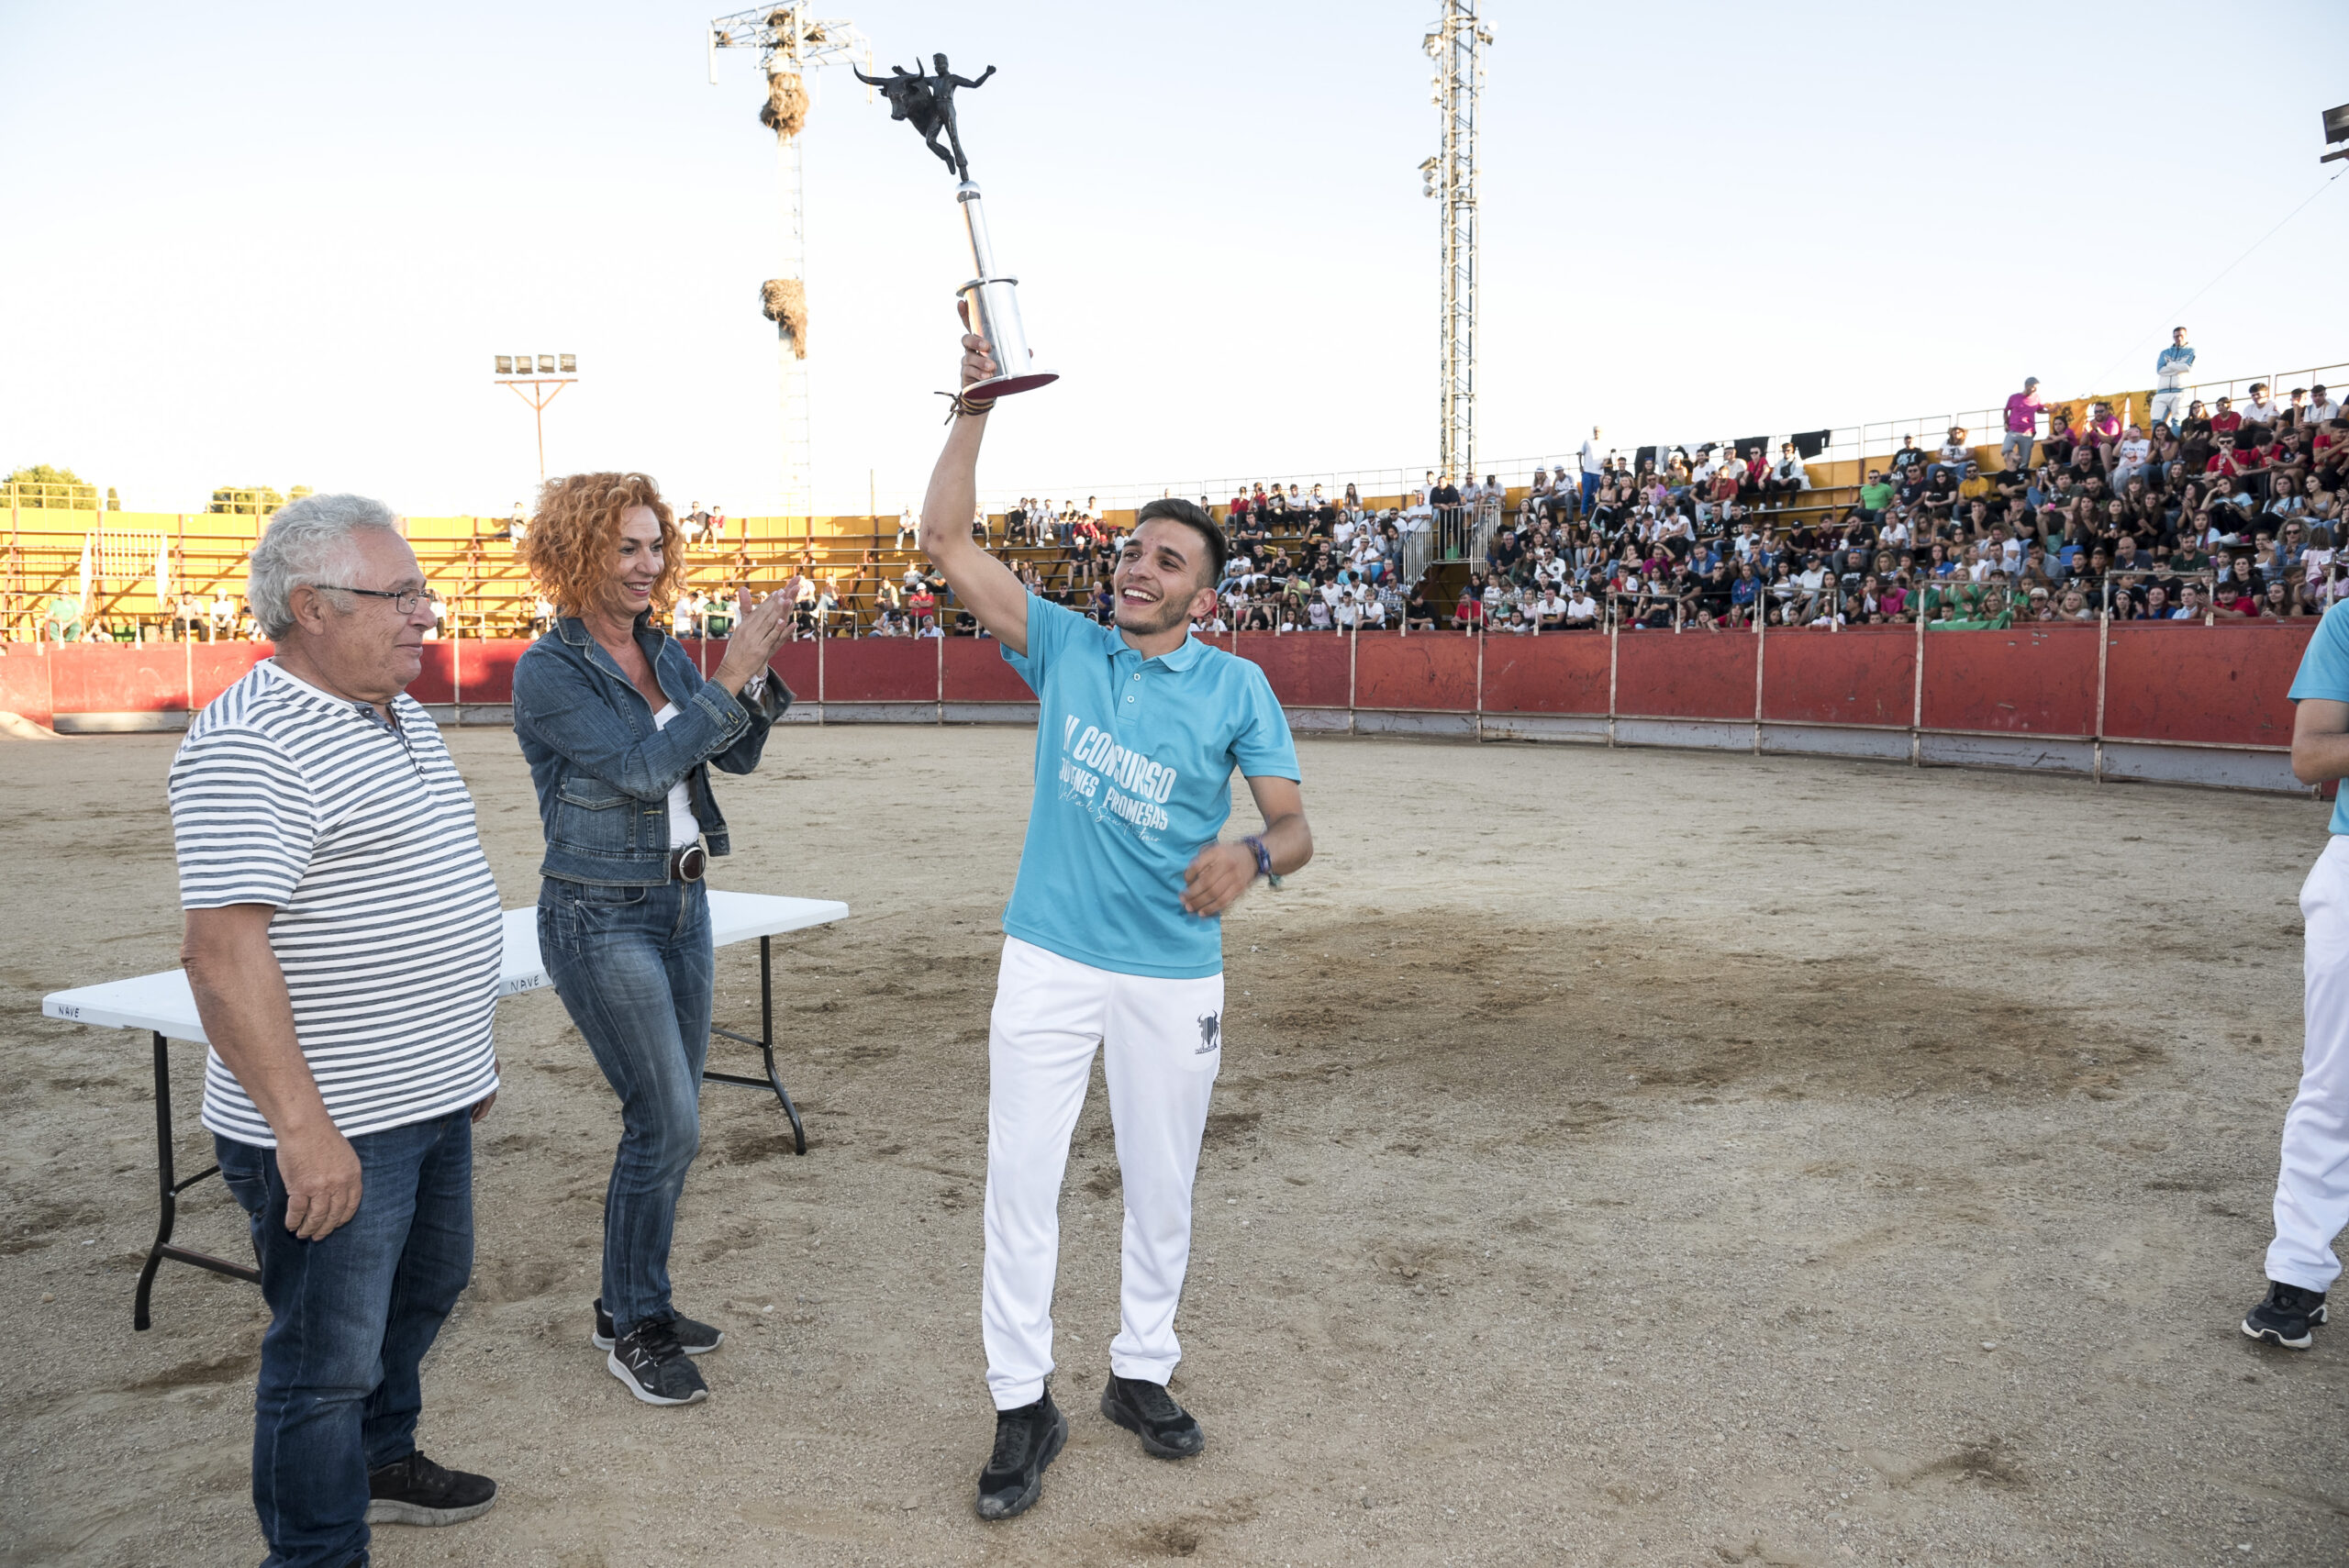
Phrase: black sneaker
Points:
(1026, 1441)
(2285, 1316)
(1146, 1410)
(415, 1491)
(693, 1338)
(649, 1359)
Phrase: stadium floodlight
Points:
(2336, 128)
(523, 374)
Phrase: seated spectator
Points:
(1875, 496)
(1788, 475)
(1952, 455)
(2062, 440)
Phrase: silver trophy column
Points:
(992, 309)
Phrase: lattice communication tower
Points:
(1453, 41)
(790, 39)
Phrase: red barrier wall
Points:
(1428, 673)
(24, 683)
(2221, 684)
(1861, 675)
(975, 673)
(2225, 684)
(489, 667)
(2038, 680)
(1308, 670)
(433, 685)
(881, 669)
(794, 664)
(1693, 674)
(216, 666)
(1566, 674)
(142, 677)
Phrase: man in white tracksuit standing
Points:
(1112, 939)
(2312, 1185)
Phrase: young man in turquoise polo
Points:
(1112, 937)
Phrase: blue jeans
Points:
(351, 1316)
(633, 966)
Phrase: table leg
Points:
(139, 1319)
(765, 1043)
(169, 1192)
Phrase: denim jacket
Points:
(603, 769)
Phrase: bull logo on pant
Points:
(1211, 1031)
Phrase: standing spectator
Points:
(343, 945)
(2022, 425)
(1592, 463)
(2171, 367)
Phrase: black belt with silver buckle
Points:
(688, 863)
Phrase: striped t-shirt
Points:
(387, 923)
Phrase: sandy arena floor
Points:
(1619, 1158)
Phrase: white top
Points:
(684, 828)
(363, 839)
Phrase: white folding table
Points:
(163, 1004)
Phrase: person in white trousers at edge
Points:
(2312, 1183)
(1112, 937)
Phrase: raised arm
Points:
(988, 587)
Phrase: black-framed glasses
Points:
(404, 600)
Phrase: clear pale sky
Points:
(278, 244)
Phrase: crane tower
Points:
(1453, 41)
(790, 39)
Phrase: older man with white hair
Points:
(344, 941)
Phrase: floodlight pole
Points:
(538, 397)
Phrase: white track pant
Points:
(1163, 1042)
(2313, 1186)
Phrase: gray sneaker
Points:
(697, 1339)
(649, 1359)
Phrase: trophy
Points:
(989, 305)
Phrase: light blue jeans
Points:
(633, 966)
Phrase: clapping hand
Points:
(760, 626)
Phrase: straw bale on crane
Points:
(784, 301)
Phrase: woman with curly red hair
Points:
(620, 732)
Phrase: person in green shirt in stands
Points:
(64, 619)
(1875, 497)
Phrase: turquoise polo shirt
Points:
(2325, 673)
(1133, 777)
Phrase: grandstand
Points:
(104, 564)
